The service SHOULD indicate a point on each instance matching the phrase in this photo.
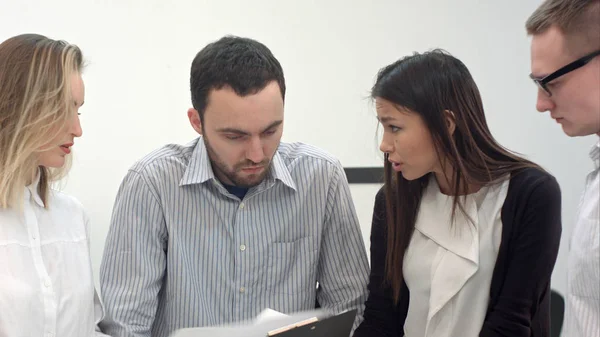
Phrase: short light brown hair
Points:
(578, 20)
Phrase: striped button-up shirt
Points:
(583, 298)
(184, 252)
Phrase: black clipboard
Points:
(338, 325)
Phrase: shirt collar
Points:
(595, 154)
(200, 170)
(280, 172)
(31, 191)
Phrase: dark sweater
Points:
(520, 291)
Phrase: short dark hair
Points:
(243, 64)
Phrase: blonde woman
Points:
(46, 283)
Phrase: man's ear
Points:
(450, 121)
(194, 118)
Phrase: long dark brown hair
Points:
(429, 84)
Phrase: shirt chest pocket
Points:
(292, 266)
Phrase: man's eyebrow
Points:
(233, 130)
(274, 124)
(246, 133)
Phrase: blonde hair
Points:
(35, 103)
(578, 20)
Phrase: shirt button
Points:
(243, 248)
(47, 285)
(242, 205)
(34, 237)
(242, 290)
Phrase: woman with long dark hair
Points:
(465, 233)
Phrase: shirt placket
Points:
(244, 234)
(46, 286)
(241, 261)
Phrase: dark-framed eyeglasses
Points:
(543, 82)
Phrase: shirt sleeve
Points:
(134, 259)
(98, 315)
(534, 249)
(97, 305)
(343, 266)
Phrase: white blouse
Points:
(46, 283)
(448, 268)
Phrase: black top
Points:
(520, 291)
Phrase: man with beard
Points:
(234, 222)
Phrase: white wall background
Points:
(139, 54)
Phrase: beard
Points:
(234, 174)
